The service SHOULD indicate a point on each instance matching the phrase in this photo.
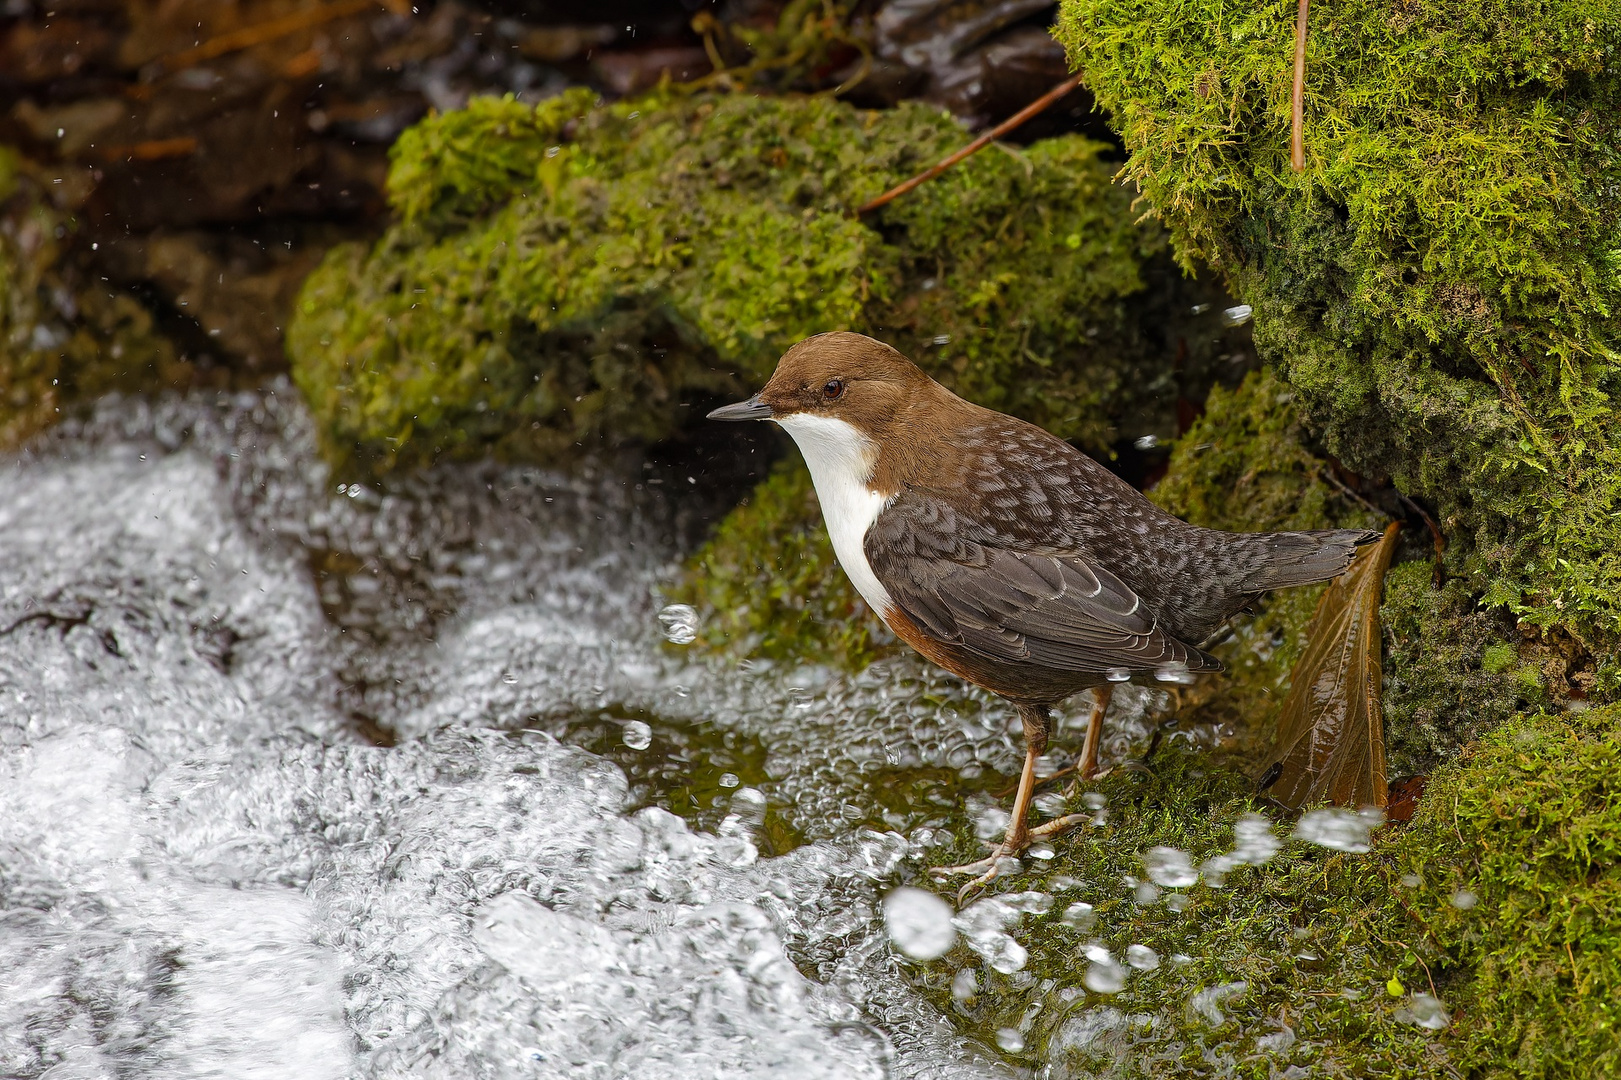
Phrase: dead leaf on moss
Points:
(1331, 742)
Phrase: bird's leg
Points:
(1037, 726)
(1094, 731)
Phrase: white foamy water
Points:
(208, 869)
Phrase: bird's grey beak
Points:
(752, 409)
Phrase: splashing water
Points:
(1425, 1011)
(216, 864)
(1339, 830)
(919, 923)
(680, 622)
(1170, 867)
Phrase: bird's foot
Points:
(1004, 858)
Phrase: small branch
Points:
(1297, 120)
(259, 33)
(978, 144)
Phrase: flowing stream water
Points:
(586, 852)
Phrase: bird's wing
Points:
(1060, 611)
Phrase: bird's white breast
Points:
(841, 461)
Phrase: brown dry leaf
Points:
(1331, 742)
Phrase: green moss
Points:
(1527, 823)
(569, 273)
(63, 340)
(1441, 285)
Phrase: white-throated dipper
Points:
(1005, 555)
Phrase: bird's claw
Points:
(1004, 858)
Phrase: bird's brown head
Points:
(840, 376)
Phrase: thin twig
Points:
(1297, 120)
(259, 33)
(996, 132)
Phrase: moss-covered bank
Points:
(573, 274)
(63, 340)
(1499, 898)
(1441, 286)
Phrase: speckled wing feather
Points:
(1057, 611)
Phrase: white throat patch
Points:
(841, 461)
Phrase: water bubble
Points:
(1146, 442)
(991, 823)
(1339, 830)
(1463, 899)
(1207, 1003)
(1255, 843)
(1142, 957)
(1010, 1039)
(729, 780)
(1040, 851)
(1170, 867)
(919, 923)
(1080, 915)
(1106, 975)
(680, 623)
(966, 985)
(1237, 316)
(982, 926)
(637, 735)
(1424, 1010)
(1118, 674)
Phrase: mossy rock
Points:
(63, 340)
(1441, 285)
(1499, 899)
(576, 275)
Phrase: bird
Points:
(1003, 554)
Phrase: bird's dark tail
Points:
(1300, 558)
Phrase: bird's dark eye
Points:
(833, 390)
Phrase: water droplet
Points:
(1010, 1040)
(1145, 892)
(1200, 309)
(1040, 851)
(1339, 830)
(941, 339)
(1146, 442)
(729, 780)
(1094, 800)
(1170, 867)
(1178, 902)
(1106, 975)
(1080, 915)
(966, 985)
(990, 823)
(1142, 957)
(1118, 674)
(1175, 673)
(1412, 881)
(637, 735)
(509, 678)
(1063, 883)
(1463, 899)
(1425, 1010)
(919, 923)
(680, 623)
(1237, 316)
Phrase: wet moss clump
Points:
(1498, 900)
(570, 275)
(1441, 285)
(63, 340)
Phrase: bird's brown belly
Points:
(1017, 682)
